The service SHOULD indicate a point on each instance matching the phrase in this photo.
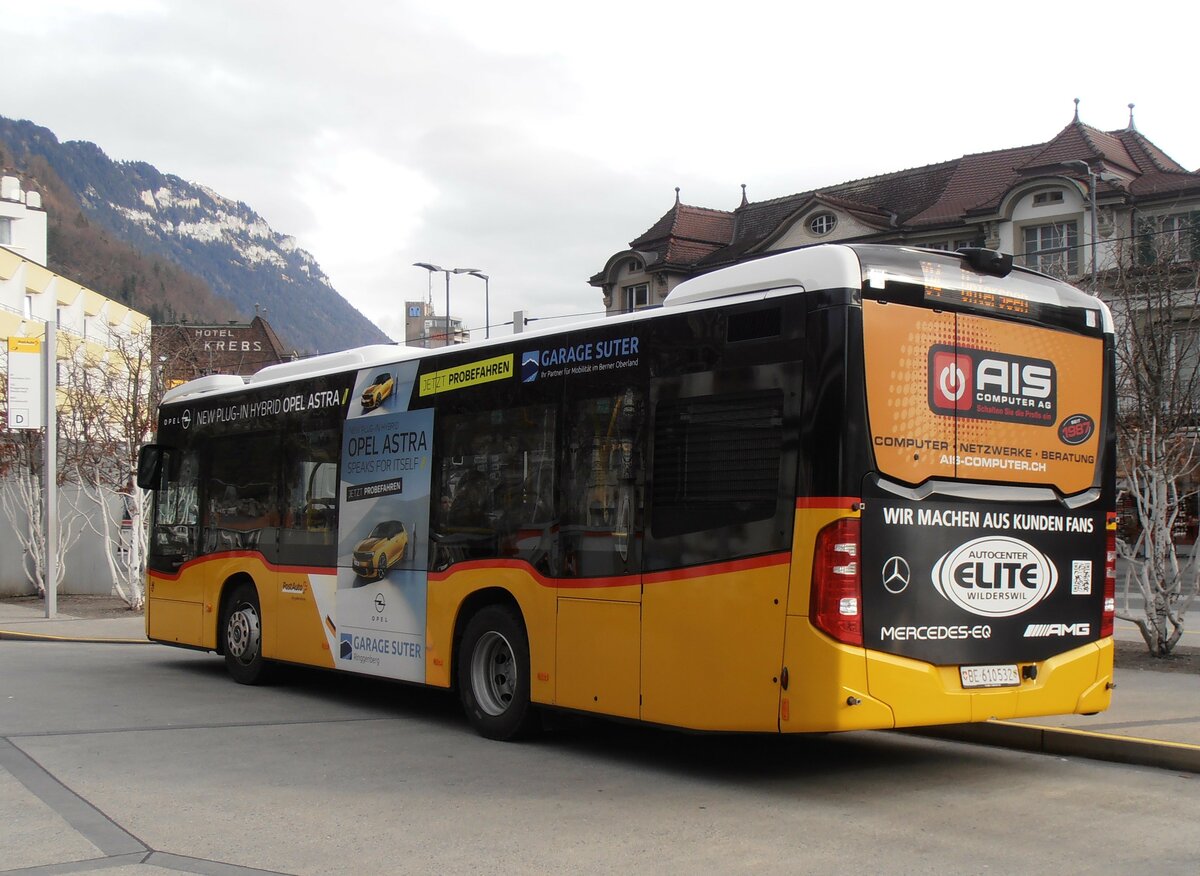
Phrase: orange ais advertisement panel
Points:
(961, 396)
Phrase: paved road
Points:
(116, 755)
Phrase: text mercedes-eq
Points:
(838, 488)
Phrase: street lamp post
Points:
(447, 271)
(1092, 205)
(487, 310)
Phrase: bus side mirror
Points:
(150, 466)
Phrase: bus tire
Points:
(241, 637)
(493, 674)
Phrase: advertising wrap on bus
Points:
(383, 531)
(962, 396)
(954, 582)
(955, 396)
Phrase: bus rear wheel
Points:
(242, 637)
(493, 674)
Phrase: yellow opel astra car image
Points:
(375, 394)
(381, 550)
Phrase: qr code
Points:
(1081, 577)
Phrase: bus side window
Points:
(603, 483)
(310, 498)
(723, 472)
(241, 495)
(176, 511)
(495, 480)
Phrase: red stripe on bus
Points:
(725, 568)
(845, 503)
(543, 580)
(227, 555)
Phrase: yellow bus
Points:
(842, 487)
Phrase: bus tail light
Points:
(1110, 584)
(835, 607)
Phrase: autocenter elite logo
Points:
(995, 576)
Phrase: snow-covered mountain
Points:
(221, 241)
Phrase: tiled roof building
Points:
(1033, 201)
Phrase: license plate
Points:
(1004, 675)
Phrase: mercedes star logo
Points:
(896, 574)
(381, 603)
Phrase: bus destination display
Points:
(968, 291)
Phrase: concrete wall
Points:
(87, 570)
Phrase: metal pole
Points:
(487, 311)
(1092, 198)
(50, 464)
(447, 341)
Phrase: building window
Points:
(27, 307)
(822, 223)
(1053, 249)
(636, 297)
(634, 266)
(1179, 237)
(6, 231)
(1042, 199)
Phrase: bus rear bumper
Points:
(1076, 681)
(834, 687)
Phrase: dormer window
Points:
(635, 297)
(634, 266)
(1045, 199)
(822, 224)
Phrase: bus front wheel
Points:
(493, 674)
(243, 637)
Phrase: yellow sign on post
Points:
(25, 376)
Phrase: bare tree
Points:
(1156, 305)
(107, 413)
(104, 414)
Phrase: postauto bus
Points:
(837, 488)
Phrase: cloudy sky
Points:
(532, 140)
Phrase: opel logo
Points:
(381, 603)
(896, 574)
(187, 419)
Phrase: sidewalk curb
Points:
(13, 636)
(1067, 742)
